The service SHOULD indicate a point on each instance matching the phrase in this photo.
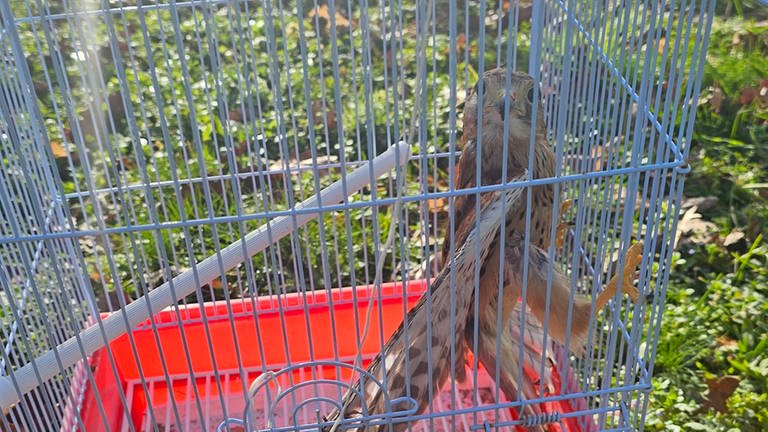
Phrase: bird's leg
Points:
(562, 227)
(633, 258)
(551, 306)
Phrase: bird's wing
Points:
(416, 358)
(464, 205)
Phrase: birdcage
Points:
(215, 214)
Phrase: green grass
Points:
(190, 99)
(712, 361)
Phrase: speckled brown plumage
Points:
(489, 143)
(411, 369)
(518, 149)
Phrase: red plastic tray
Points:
(285, 332)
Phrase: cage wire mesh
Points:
(162, 221)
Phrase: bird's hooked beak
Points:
(501, 105)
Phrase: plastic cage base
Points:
(268, 336)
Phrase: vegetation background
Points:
(711, 370)
(712, 364)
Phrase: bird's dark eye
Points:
(530, 95)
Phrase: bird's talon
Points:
(633, 256)
(633, 292)
(632, 260)
(562, 227)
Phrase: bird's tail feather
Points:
(410, 371)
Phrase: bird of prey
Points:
(512, 103)
(414, 365)
(416, 360)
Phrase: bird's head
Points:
(513, 104)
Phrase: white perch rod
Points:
(184, 284)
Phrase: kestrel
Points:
(513, 104)
(415, 365)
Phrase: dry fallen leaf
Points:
(322, 12)
(461, 46)
(702, 203)
(596, 154)
(736, 241)
(461, 41)
(127, 163)
(438, 205)
(719, 391)
(694, 229)
(717, 98)
(748, 94)
(441, 182)
(235, 115)
(323, 115)
(764, 91)
(58, 150)
(714, 97)
(726, 343)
